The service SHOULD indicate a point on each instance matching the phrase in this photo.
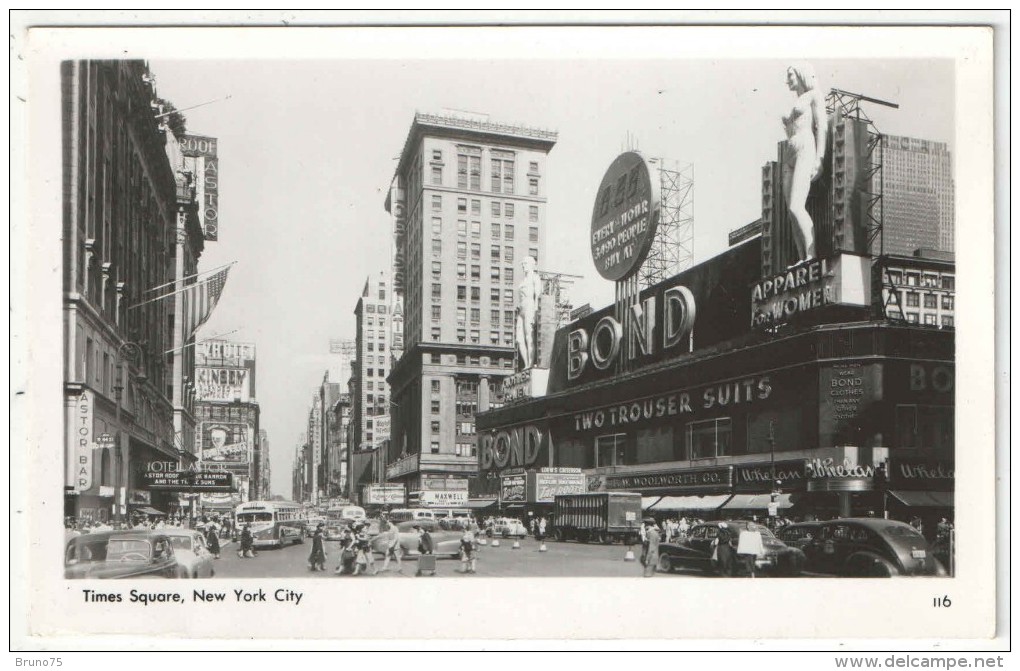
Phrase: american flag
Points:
(200, 299)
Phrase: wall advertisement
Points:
(544, 487)
(512, 489)
(201, 159)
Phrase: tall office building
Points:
(919, 195)
(370, 392)
(468, 205)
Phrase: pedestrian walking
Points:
(247, 543)
(650, 556)
(723, 552)
(393, 549)
(317, 559)
(468, 552)
(364, 558)
(213, 541)
(348, 555)
(541, 529)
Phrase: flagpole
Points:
(176, 291)
(178, 335)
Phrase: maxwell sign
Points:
(513, 447)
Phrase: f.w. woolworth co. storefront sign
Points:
(707, 480)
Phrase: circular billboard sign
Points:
(625, 217)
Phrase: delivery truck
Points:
(602, 517)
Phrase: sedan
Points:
(507, 527)
(192, 554)
(800, 534)
(121, 554)
(695, 550)
(447, 543)
(870, 547)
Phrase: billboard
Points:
(201, 160)
(187, 481)
(546, 484)
(376, 495)
(226, 444)
(625, 217)
(224, 371)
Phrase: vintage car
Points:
(868, 547)
(121, 554)
(311, 523)
(800, 534)
(447, 543)
(509, 527)
(192, 554)
(333, 531)
(695, 550)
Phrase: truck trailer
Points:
(601, 517)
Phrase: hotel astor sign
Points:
(625, 216)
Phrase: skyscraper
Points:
(468, 205)
(919, 195)
(370, 401)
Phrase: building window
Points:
(533, 234)
(436, 335)
(925, 427)
(508, 317)
(533, 167)
(462, 227)
(533, 213)
(709, 439)
(435, 447)
(533, 186)
(437, 203)
(494, 252)
(929, 320)
(461, 250)
(370, 347)
(947, 321)
(476, 208)
(437, 175)
(508, 254)
(533, 253)
(495, 231)
(461, 335)
(508, 296)
(895, 277)
(461, 359)
(461, 271)
(476, 294)
(509, 275)
(435, 405)
(947, 302)
(461, 316)
(476, 315)
(912, 299)
(911, 279)
(370, 308)
(435, 385)
(930, 301)
(437, 291)
(948, 283)
(494, 337)
(437, 312)
(476, 272)
(610, 450)
(508, 232)
(493, 317)
(476, 250)
(494, 209)
(437, 269)
(494, 275)
(502, 176)
(494, 294)
(437, 246)
(476, 229)
(508, 210)
(475, 336)
(912, 317)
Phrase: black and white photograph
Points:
(517, 330)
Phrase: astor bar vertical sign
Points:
(83, 441)
(205, 165)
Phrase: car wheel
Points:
(665, 564)
(558, 535)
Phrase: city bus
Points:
(409, 514)
(273, 523)
(345, 513)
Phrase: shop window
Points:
(709, 439)
(610, 450)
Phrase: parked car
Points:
(447, 543)
(800, 534)
(869, 547)
(121, 554)
(509, 527)
(695, 550)
(192, 554)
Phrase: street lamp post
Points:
(774, 483)
(133, 352)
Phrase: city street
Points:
(561, 560)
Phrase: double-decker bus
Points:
(273, 523)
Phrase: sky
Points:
(307, 151)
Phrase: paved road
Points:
(559, 560)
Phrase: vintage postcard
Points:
(533, 332)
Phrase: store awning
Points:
(649, 501)
(482, 503)
(690, 502)
(924, 499)
(757, 502)
(148, 510)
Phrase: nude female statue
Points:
(806, 129)
(528, 292)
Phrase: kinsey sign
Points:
(708, 479)
(678, 403)
(518, 446)
(222, 384)
(625, 217)
(671, 314)
(844, 279)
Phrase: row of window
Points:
(931, 301)
(929, 319)
(497, 209)
(461, 450)
(475, 293)
(910, 279)
(371, 308)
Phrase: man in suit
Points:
(651, 553)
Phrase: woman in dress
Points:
(806, 130)
(317, 559)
